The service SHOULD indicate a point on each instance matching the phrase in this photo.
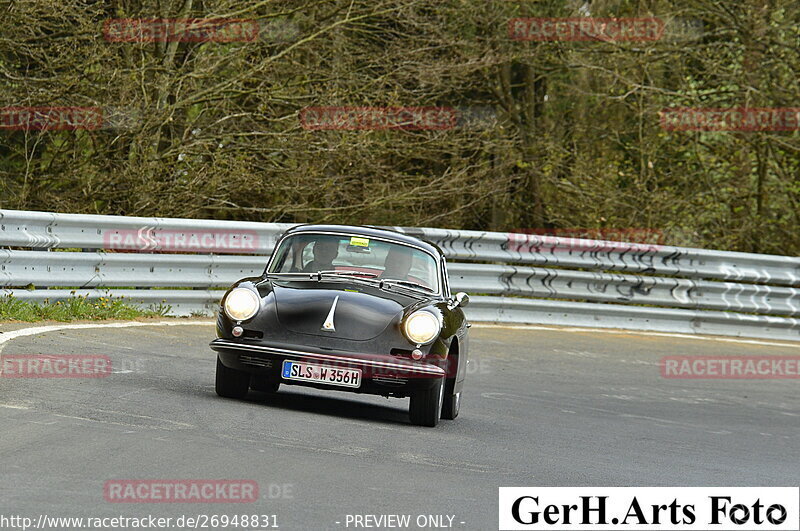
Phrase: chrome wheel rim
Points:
(441, 398)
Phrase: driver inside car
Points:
(325, 252)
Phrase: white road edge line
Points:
(5, 337)
(639, 333)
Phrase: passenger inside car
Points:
(398, 263)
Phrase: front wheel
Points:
(452, 401)
(231, 383)
(426, 406)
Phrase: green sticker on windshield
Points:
(359, 242)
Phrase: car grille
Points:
(257, 362)
(390, 380)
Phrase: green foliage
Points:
(75, 308)
(574, 140)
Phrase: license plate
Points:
(295, 370)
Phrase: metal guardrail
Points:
(521, 278)
(101, 269)
(49, 230)
(552, 251)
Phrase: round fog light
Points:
(237, 331)
(416, 354)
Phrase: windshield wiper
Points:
(317, 275)
(349, 273)
(360, 276)
(355, 275)
(408, 283)
(297, 274)
(364, 275)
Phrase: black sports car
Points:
(356, 309)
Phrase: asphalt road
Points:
(541, 408)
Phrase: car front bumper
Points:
(381, 374)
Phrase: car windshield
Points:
(354, 255)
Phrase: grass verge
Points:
(74, 309)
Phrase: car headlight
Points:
(241, 304)
(422, 327)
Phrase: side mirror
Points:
(462, 299)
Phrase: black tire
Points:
(231, 383)
(264, 385)
(452, 400)
(426, 406)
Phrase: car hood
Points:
(359, 315)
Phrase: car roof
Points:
(368, 231)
